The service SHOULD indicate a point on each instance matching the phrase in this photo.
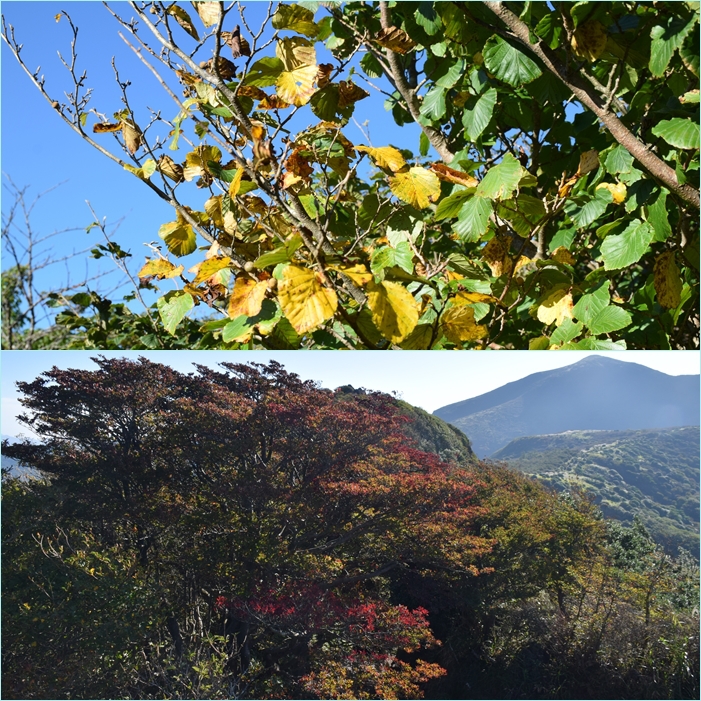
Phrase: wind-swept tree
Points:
(550, 200)
(259, 518)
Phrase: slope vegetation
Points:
(652, 473)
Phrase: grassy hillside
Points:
(651, 473)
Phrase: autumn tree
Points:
(233, 533)
(550, 201)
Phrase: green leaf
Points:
(371, 66)
(279, 255)
(690, 52)
(680, 133)
(172, 307)
(566, 332)
(235, 328)
(523, 213)
(600, 344)
(592, 210)
(451, 205)
(424, 144)
(387, 257)
(296, 19)
(502, 180)
(475, 120)
(508, 63)
(433, 105)
(453, 74)
(619, 161)
(426, 17)
(264, 72)
(539, 343)
(658, 216)
(590, 304)
(324, 104)
(550, 28)
(665, 40)
(473, 219)
(627, 248)
(609, 319)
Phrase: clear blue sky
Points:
(429, 379)
(40, 150)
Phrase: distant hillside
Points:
(432, 434)
(596, 393)
(651, 473)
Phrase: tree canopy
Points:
(240, 533)
(545, 194)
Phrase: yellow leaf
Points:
(395, 39)
(668, 283)
(183, 19)
(589, 40)
(196, 161)
(213, 208)
(453, 176)
(562, 255)
(458, 325)
(210, 267)
(304, 300)
(209, 12)
(555, 307)
(496, 255)
(296, 52)
(463, 297)
(235, 184)
(145, 171)
(179, 237)
(588, 161)
(395, 312)
(160, 268)
(618, 191)
(419, 338)
(247, 297)
(385, 157)
(358, 273)
(417, 187)
(296, 86)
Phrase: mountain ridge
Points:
(595, 393)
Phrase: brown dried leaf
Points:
(349, 93)
(453, 176)
(396, 40)
(323, 75)
(106, 128)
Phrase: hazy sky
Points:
(426, 379)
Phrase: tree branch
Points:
(649, 160)
(398, 79)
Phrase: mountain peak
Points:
(597, 392)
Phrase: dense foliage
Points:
(548, 197)
(651, 474)
(243, 534)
